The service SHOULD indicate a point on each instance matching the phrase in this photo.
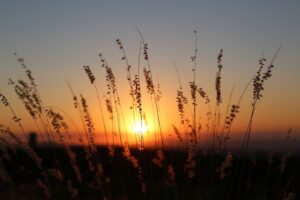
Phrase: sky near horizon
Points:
(57, 38)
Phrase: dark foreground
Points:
(216, 176)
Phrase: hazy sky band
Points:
(57, 38)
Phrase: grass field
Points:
(58, 169)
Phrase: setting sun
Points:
(140, 128)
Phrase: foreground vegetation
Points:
(118, 171)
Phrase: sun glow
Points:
(140, 128)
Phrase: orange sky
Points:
(269, 117)
(57, 41)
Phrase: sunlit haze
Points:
(57, 38)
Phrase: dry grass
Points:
(118, 172)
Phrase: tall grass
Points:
(116, 171)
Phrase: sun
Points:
(140, 127)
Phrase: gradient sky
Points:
(56, 38)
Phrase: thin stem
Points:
(102, 115)
(154, 93)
